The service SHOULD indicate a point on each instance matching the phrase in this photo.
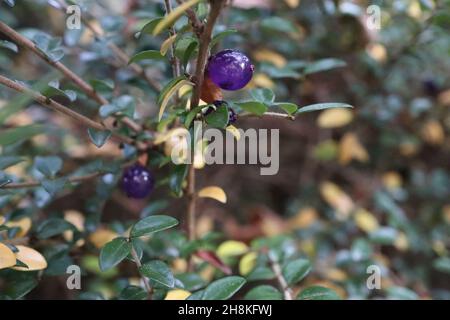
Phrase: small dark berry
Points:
(230, 69)
(137, 181)
(232, 116)
(430, 87)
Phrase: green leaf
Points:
(323, 65)
(322, 106)
(384, 235)
(218, 37)
(218, 118)
(189, 53)
(318, 293)
(400, 293)
(177, 177)
(264, 292)
(13, 135)
(102, 85)
(150, 26)
(9, 45)
(53, 186)
(295, 271)
(52, 91)
(152, 224)
(133, 293)
(290, 108)
(264, 95)
(113, 253)
(21, 284)
(158, 271)
(278, 24)
(170, 92)
(52, 227)
(146, 55)
(191, 281)
(123, 105)
(254, 107)
(191, 115)
(48, 166)
(171, 18)
(9, 161)
(224, 288)
(98, 137)
(442, 264)
(261, 273)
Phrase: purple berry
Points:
(137, 181)
(230, 69)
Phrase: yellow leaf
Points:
(337, 199)
(169, 95)
(177, 294)
(199, 158)
(179, 265)
(444, 98)
(270, 56)
(261, 80)
(205, 225)
(365, 220)
(77, 219)
(350, 148)
(335, 274)
(433, 133)
(24, 224)
(171, 18)
(439, 247)
(100, 237)
(334, 118)
(392, 180)
(304, 218)
(7, 257)
(247, 263)
(377, 52)
(292, 3)
(401, 242)
(213, 192)
(2, 220)
(33, 259)
(234, 131)
(166, 44)
(231, 248)
(446, 213)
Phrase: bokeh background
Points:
(355, 187)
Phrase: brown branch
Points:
(118, 52)
(196, 24)
(56, 106)
(69, 74)
(275, 266)
(138, 263)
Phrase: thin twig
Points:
(138, 263)
(197, 25)
(56, 106)
(69, 74)
(275, 266)
(205, 40)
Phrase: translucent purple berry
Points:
(137, 182)
(230, 69)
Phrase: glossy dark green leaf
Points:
(264, 292)
(177, 178)
(146, 55)
(133, 293)
(113, 253)
(151, 225)
(218, 118)
(52, 227)
(318, 293)
(191, 116)
(158, 271)
(295, 271)
(261, 273)
(224, 288)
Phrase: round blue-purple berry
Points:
(137, 181)
(230, 69)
